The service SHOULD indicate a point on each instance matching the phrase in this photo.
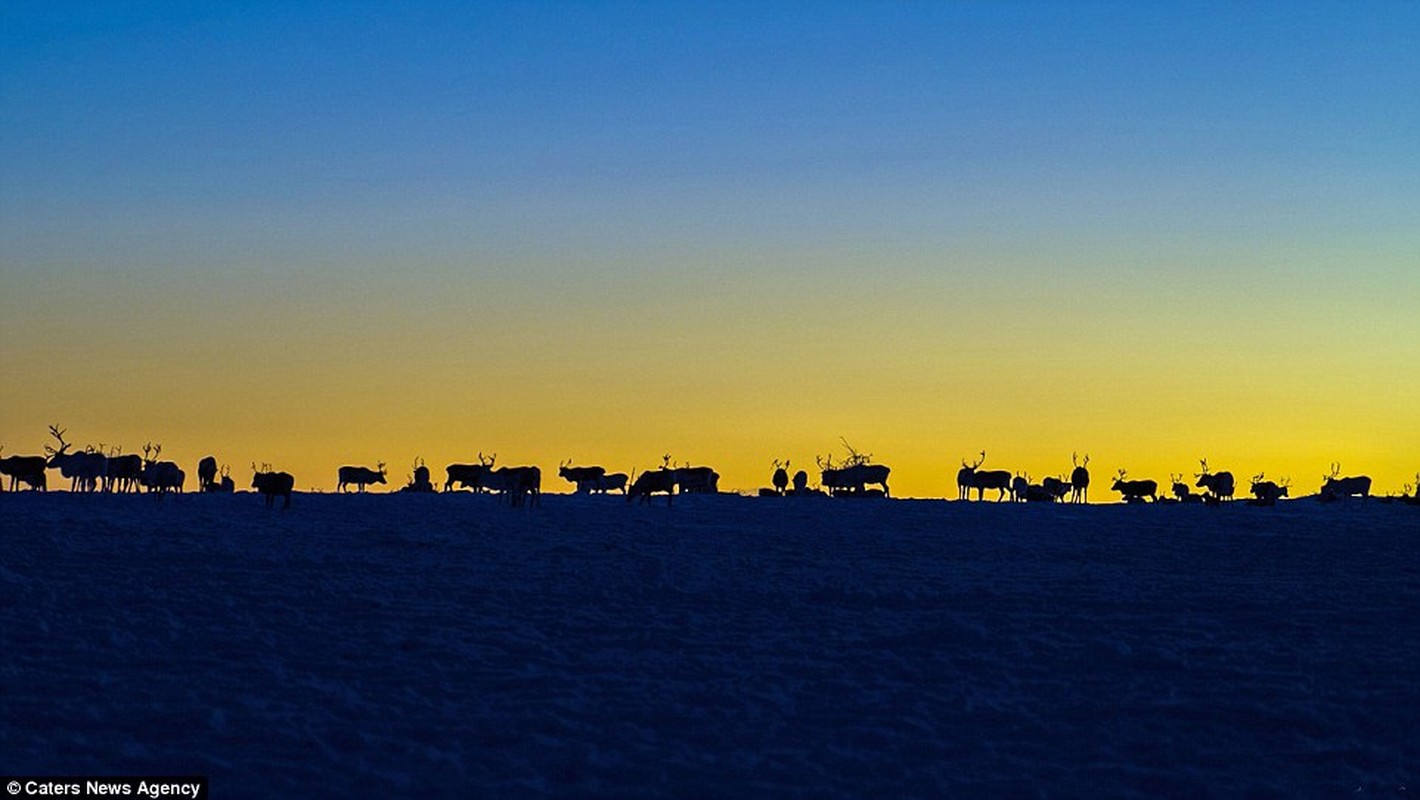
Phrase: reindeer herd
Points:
(100, 469)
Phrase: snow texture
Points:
(439, 645)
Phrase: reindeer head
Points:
(53, 453)
(1335, 472)
(487, 462)
(380, 468)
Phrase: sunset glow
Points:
(344, 234)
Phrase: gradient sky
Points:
(316, 234)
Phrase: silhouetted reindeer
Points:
(1181, 490)
(801, 483)
(1079, 480)
(419, 481)
(1267, 493)
(469, 475)
(615, 481)
(586, 478)
(652, 481)
(855, 475)
(207, 474)
(1220, 484)
(1020, 487)
(1335, 488)
(273, 484)
(160, 477)
(521, 485)
(84, 470)
(226, 485)
(360, 476)
(998, 479)
(1135, 491)
(966, 477)
(125, 472)
(697, 480)
(28, 470)
(1055, 488)
(781, 476)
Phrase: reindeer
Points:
(469, 476)
(615, 481)
(781, 476)
(966, 477)
(1079, 480)
(160, 476)
(207, 474)
(1181, 490)
(1055, 488)
(585, 477)
(124, 473)
(273, 484)
(28, 470)
(998, 479)
(651, 481)
(419, 481)
(697, 480)
(801, 483)
(1335, 488)
(1266, 493)
(84, 470)
(1020, 487)
(518, 484)
(360, 476)
(1135, 491)
(226, 485)
(1220, 484)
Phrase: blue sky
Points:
(865, 178)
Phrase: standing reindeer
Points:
(1079, 480)
(207, 474)
(781, 476)
(360, 476)
(1135, 491)
(1267, 493)
(998, 479)
(1220, 484)
(84, 470)
(966, 477)
(273, 484)
(160, 476)
(1336, 488)
(28, 470)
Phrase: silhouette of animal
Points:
(966, 477)
(28, 470)
(1020, 487)
(207, 474)
(226, 485)
(419, 481)
(1220, 484)
(801, 482)
(585, 477)
(1135, 491)
(160, 476)
(84, 470)
(1079, 480)
(1267, 492)
(651, 481)
(854, 478)
(998, 479)
(125, 473)
(273, 485)
(616, 481)
(697, 480)
(521, 485)
(1182, 491)
(1055, 488)
(1335, 487)
(781, 476)
(469, 476)
(360, 476)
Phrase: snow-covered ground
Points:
(441, 646)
